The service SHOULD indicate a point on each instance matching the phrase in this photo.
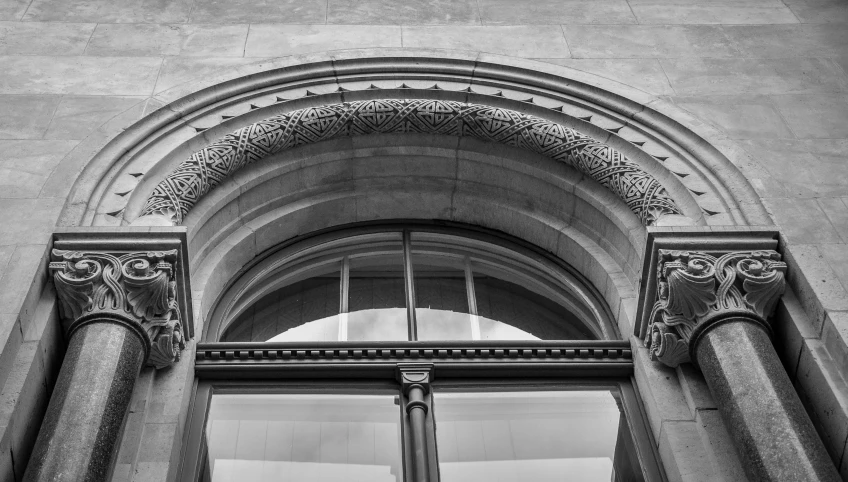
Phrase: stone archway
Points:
(175, 195)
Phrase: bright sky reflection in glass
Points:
(362, 297)
(303, 437)
(542, 436)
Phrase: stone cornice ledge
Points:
(135, 277)
(380, 359)
(694, 277)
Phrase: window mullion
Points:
(409, 285)
(345, 295)
(472, 300)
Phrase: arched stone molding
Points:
(177, 194)
(699, 178)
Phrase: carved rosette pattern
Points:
(695, 289)
(175, 196)
(138, 287)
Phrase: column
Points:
(415, 384)
(121, 312)
(712, 310)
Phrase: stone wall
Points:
(771, 75)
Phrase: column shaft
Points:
(417, 411)
(79, 435)
(771, 429)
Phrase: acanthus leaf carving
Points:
(666, 346)
(691, 285)
(695, 288)
(137, 286)
(764, 281)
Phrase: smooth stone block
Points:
(109, 11)
(802, 221)
(29, 220)
(78, 75)
(800, 40)
(403, 12)
(259, 11)
(814, 282)
(39, 38)
(819, 11)
(684, 456)
(665, 14)
(519, 41)
(25, 166)
(835, 208)
(644, 74)
(741, 117)
(546, 12)
(815, 116)
(147, 40)
(836, 255)
(772, 431)
(13, 10)
(715, 3)
(78, 116)
(647, 41)
(25, 116)
(805, 168)
(823, 390)
(280, 40)
(704, 76)
(178, 70)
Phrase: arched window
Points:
(413, 284)
(414, 352)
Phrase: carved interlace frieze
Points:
(137, 287)
(695, 289)
(175, 196)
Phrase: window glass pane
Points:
(350, 438)
(511, 307)
(305, 310)
(441, 307)
(377, 299)
(539, 436)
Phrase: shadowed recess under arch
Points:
(181, 189)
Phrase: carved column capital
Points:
(415, 375)
(696, 289)
(134, 280)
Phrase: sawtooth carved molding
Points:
(696, 290)
(181, 189)
(137, 289)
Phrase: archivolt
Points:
(182, 188)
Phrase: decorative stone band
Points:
(697, 290)
(381, 359)
(175, 196)
(135, 289)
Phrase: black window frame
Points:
(350, 367)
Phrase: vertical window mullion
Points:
(409, 285)
(344, 298)
(472, 300)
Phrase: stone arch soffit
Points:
(536, 103)
(205, 169)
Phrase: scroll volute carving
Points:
(696, 289)
(138, 287)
